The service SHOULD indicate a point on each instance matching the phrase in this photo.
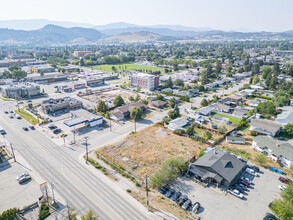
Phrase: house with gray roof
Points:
(222, 107)
(265, 127)
(218, 167)
(177, 123)
(206, 110)
(279, 151)
(286, 117)
(235, 140)
(240, 113)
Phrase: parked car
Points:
(32, 127)
(250, 171)
(182, 199)
(244, 183)
(63, 135)
(164, 189)
(175, 196)
(57, 131)
(282, 187)
(270, 216)
(22, 175)
(187, 204)
(195, 207)
(24, 179)
(285, 180)
(52, 127)
(25, 128)
(236, 193)
(169, 193)
(245, 179)
(239, 187)
(255, 168)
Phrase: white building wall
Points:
(95, 123)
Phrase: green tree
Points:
(81, 62)
(138, 89)
(136, 114)
(261, 159)
(173, 114)
(266, 107)
(207, 136)
(253, 133)
(215, 98)
(160, 97)
(204, 103)
(266, 70)
(289, 128)
(168, 83)
(118, 101)
(190, 131)
(72, 214)
(222, 129)
(131, 98)
(218, 67)
(256, 80)
(102, 106)
(90, 215)
(283, 207)
(137, 98)
(201, 153)
(144, 101)
(281, 98)
(179, 82)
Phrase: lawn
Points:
(232, 119)
(4, 99)
(128, 66)
(27, 116)
(238, 152)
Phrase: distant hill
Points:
(50, 35)
(128, 37)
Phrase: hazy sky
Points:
(268, 15)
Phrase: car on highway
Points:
(236, 193)
(175, 196)
(195, 207)
(186, 205)
(6, 112)
(18, 116)
(11, 111)
(282, 187)
(22, 175)
(11, 116)
(2, 131)
(32, 127)
(25, 128)
(24, 179)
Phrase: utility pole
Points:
(12, 152)
(68, 210)
(87, 155)
(110, 125)
(47, 196)
(147, 190)
(134, 125)
(74, 135)
(52, 187)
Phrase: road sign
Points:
(44, 186)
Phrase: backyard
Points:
(232, 119)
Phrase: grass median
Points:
(28, 117)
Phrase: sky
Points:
(245, 15)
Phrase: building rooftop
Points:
(267, 125)
(82, 116)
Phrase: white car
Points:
(21, 176)
(245, 179)
(282, 187)
(250, 171)
(236, 193)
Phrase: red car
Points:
(285, 180)
(244, 183)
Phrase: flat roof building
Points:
(146, 81)
(51, 106)
(82, 116)
(20, 90)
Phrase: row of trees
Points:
(14, 72)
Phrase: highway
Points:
(74, 182)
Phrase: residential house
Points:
(240, 113)
(177, 123)
(205, 110)
(235, 140)
(221, 119)
(265, 127)
(126, 110)
(218, 167)
(198, 119)
(286, 117)
(158, 103)
(117, 116)
(219, 107)
(279, 151)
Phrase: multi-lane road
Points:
(74, 182)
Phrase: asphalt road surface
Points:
(72, 181)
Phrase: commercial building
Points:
(218, 167)
(145, 81)
(42, 69)
(20, 90)
(92, 82)
(82, 116)
(79, 53)
(8, 63)
(56, 77)
(279, 151)
(52, 106)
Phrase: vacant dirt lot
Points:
(146, 150)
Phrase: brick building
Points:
(145, 81)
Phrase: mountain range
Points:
(60, 33)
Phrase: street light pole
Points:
(12, 152)
(87, 155)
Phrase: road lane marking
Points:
(90, 190)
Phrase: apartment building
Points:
(146, 81)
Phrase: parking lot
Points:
(218, 204)
(13, 193)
